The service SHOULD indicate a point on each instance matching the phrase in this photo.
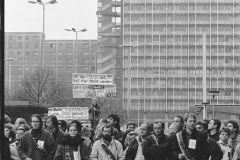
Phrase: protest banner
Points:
(65, 113)
(92, 79)
(89, 91)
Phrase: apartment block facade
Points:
(23, 55)
(162, 67)
(164, 71)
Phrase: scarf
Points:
(108, 152)
(72, 141)
(67, 153)
(183, 148)
(35, 133)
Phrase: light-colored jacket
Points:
(236, 154)
(99, 154)
(14, 151)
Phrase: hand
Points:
(28, 158)
(181, 156)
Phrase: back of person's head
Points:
(63, 123)
(188, 115)
(23, 127)
(11, 129)
(21, 121)
(116, 118)
(235, 125)
(225, 129)
(54, 120)
(203, 124)
(217, 122)
(39, 118)
(78, 125)
(206, 120)
(86, 132)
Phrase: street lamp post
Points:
(213, 94)
(204, 106)
(9, 72)
(128, 69)
(43, 40)
(75, 50)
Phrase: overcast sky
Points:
(21, 16)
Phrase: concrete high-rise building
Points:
(109, 53)
(23, 56)
(163, 75)
(166, 67)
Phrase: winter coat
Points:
(152, 151)
(132, 149)
(58, 136)
(214, 149)
(6, 153)
(73, 144)
(201, 150)
(27, 149)
(115, 147)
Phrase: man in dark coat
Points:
(94, 113)
(157, 146)
(145, 131)
(195, 142)
(51, 122)
(214, 149)
(37, 144)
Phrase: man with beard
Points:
(107, 148)
(190, 143)
(157, 146)
(51, 123)
(37, 144)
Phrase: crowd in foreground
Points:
(184, 139)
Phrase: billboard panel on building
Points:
(89, 91)
(93, 79)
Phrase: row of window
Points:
(179, 81)
(32, 53)
(156, 60)
(70, 45)
(177, 6)
(19, 38)
(156, 28)
(198, 17)
(179, 73)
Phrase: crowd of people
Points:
(184, 139)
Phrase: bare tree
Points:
(40, 87)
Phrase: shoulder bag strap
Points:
(183, 148)
(108, 152)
